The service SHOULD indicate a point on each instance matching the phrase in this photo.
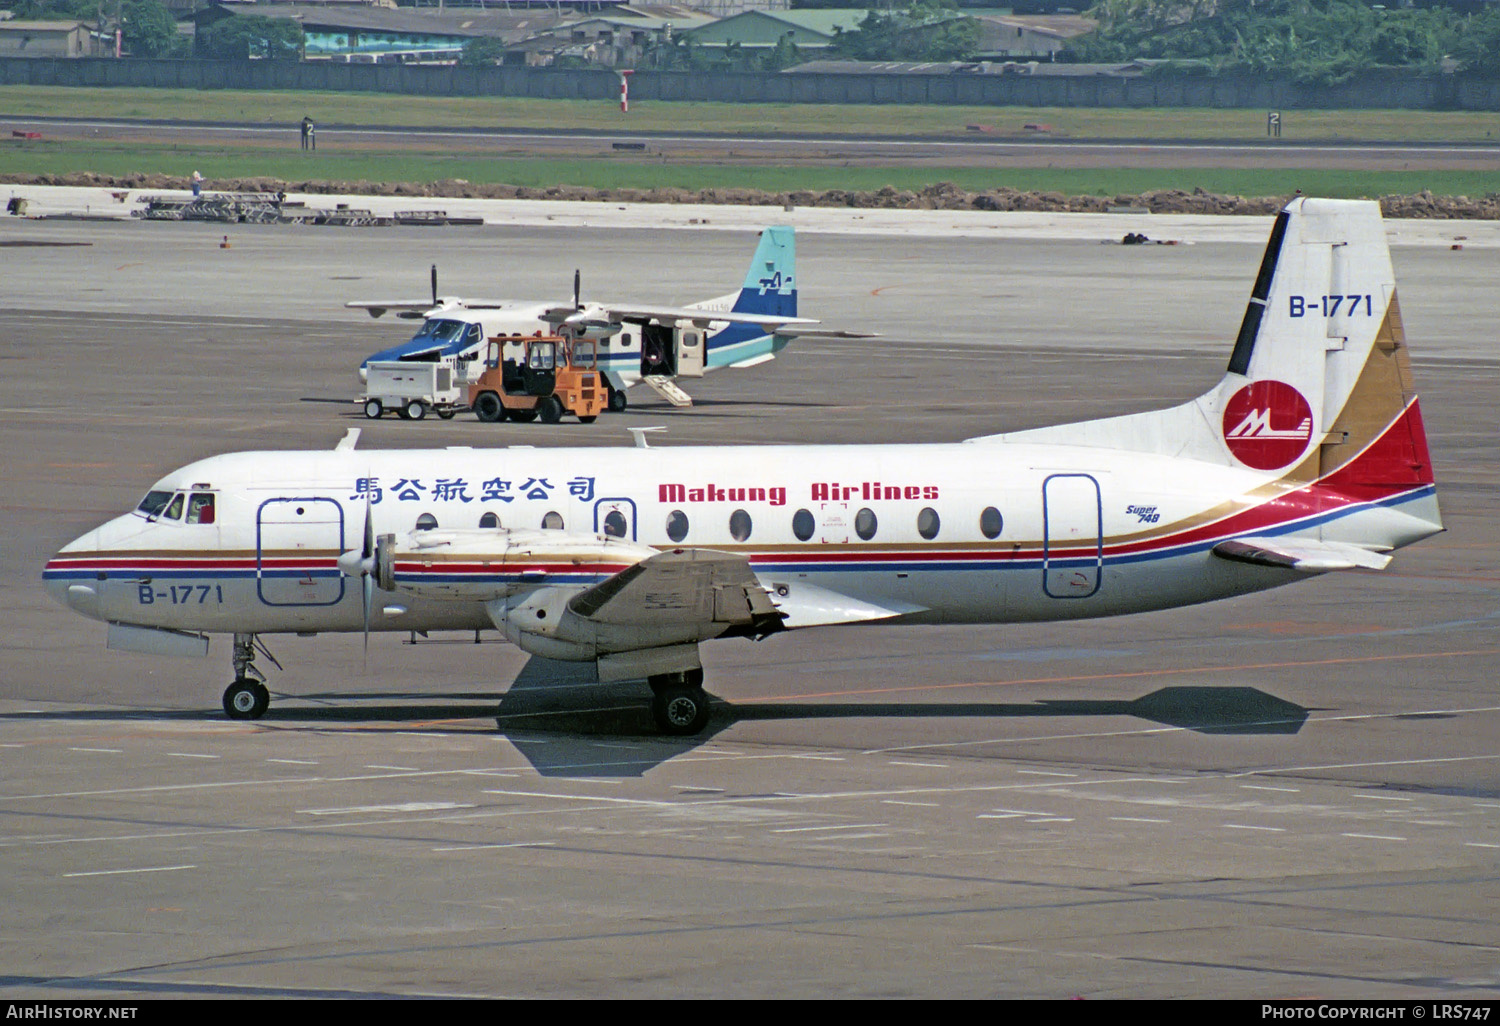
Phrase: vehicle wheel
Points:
(587, 420)
(617, 401)
(488, 407)
(550, 409)
(246, 699)
(373, 409)
(415, 410)
(522, 416)
(680, 711)
(446, 414)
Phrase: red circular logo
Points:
(1267, 424)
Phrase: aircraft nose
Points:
(72, 576)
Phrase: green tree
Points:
(486, 50)
(926, 31)
(243, 37)
(149, 30)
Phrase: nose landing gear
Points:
(247, 698)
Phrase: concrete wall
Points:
(1370, 91)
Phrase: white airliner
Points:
(1309, 456)
(637, 341)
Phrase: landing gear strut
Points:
(678, 702)
(247, 698)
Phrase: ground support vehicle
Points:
(413, 388)
(530, 377)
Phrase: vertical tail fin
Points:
(771, 282)
(1319, 384)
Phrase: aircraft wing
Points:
(603, 311)
(677, 587)
(1307, 555)
(377, 307)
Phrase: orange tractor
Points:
(530, 377)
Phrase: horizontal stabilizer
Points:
(1303, 554)
(805, 605)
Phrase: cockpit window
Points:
(174, 511)
(154, 503)
(200, 508)
(441, 330)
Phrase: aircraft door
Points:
(297, 545)
(615, 518)
(690, 344)
(1073, 554)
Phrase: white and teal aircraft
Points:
(637, 341)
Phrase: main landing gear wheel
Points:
(373, 409)
(616, 401)
(679, 704)
(246, 699)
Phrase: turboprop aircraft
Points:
(637, 341)
(1309, 456)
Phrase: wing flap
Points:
(1306, 555)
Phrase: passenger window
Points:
(174, 511)
(991, 522)
(614, 524)
(426, 522)
(865, 523)
(677, 525)
(553, 521)
(489, 520)
(625, 340)
(803, 524)
(739, 525)
(201, 508)
(928, 523)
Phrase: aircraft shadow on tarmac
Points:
(566, 724)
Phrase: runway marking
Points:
(924, 805)
(1479, 844)
(1046, 773)
(1246, 826)
(1374, 837)
(191, 755)
(1137, 819)
(400, 769)
(1383, 798)
(1133, 675)
(919, 765)
(1363, 765)
(487, 847)
(117, 872)
(402, 807)
(106, 751)
(1267, 787)
(811, 829)
(294, 762)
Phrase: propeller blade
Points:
(367, 594)
(434, 285)
(577, 288)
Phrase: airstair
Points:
(668, 390)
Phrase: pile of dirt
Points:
(942, 196)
